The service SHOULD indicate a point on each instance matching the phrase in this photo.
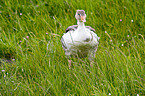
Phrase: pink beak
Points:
(83, 18)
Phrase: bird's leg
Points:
(69, 63)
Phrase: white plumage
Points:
(80, 40)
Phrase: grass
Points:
(30, 33)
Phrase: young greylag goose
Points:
(80, 40)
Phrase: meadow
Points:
(32, 61)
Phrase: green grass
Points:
(40, 66)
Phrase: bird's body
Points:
(80, 40)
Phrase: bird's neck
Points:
(81, 26)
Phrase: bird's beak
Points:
(83, 18)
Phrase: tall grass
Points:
(30, 33)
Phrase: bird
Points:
(80, 40)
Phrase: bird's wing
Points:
(70, 28)
(92, 31)
(74, 27)
(63, 44)
(95, 35)
(90, 28)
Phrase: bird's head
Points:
(80, 15)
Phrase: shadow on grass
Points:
(7, 53)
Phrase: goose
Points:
(80, 40)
